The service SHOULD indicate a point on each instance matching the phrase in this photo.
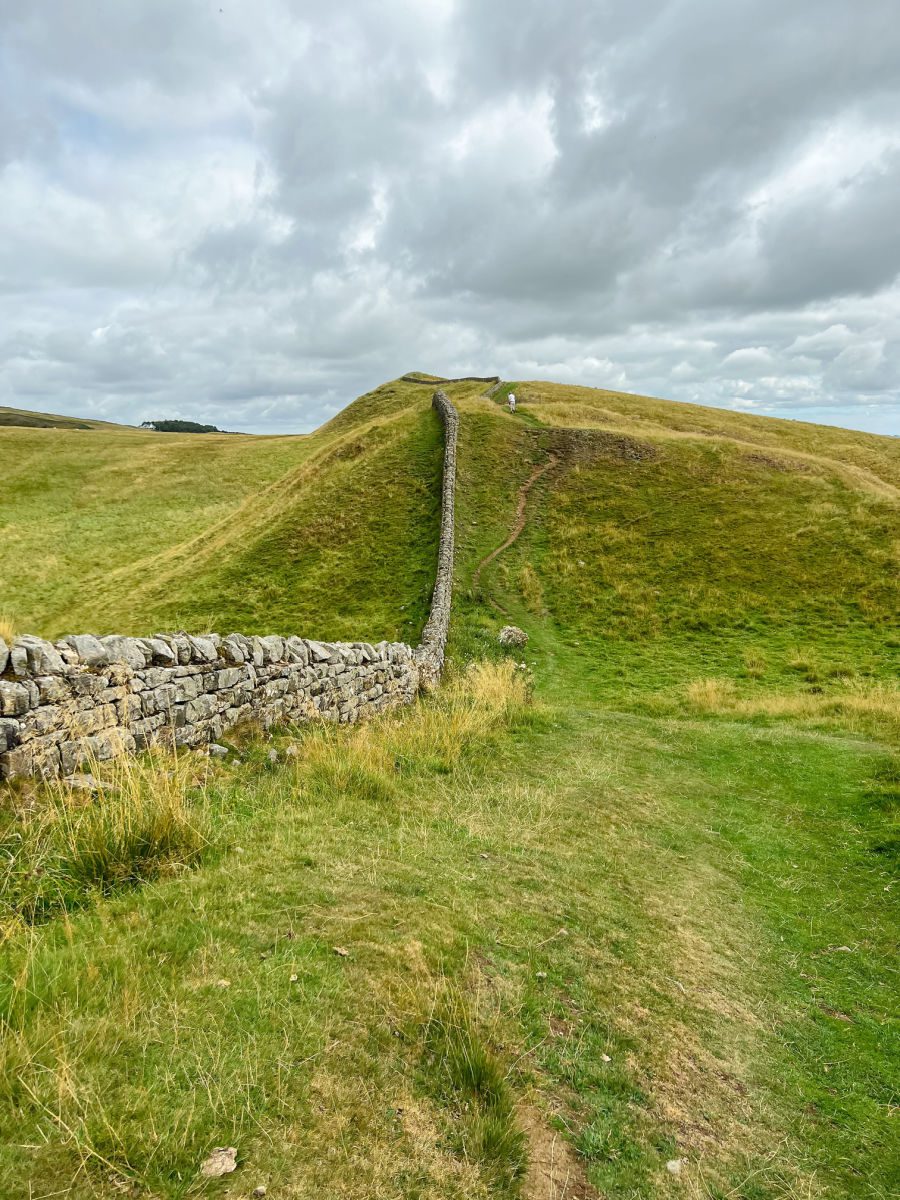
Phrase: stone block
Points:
(15, 699)
(9, 733)
(40, 721)
(296, 650)
(126, 650)
(17, 763)
(187, 688)
(200, 709)
(42, 658)
(85, 684)
(52, 689)
(273, 648)
(203, 649)
(232, 650)
(90, 650)
(162, 653)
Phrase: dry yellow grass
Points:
(858, 705)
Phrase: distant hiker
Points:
(512, 401)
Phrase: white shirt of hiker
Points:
(512, 401)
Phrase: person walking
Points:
(512, 401)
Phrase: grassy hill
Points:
(133, 530)
(620, 924)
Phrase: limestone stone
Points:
(17, 763)
(4, 655)
(182, 647)
(18, 659)
(85, 684)
(231, 650)
(66, 653)
(9, 733)
(203, 649)
(52, 689)
(15, 699)
(125, 650)
(90, 650)
(162, 653)
(40, 721)
(297, 650)
(273, 648)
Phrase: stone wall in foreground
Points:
(83, 698)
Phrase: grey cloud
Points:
(253, 213)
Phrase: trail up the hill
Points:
(519, 525)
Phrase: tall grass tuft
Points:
(364, 761)
(66, 843)
(467, 1075)
(7, 629)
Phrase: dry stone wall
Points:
(85, 698)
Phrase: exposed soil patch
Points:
(786, 466)
(554, 1172)
(587, 445)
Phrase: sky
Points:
(249, 214)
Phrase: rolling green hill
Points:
(612, 916)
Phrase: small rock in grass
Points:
(217, 751)
(339, 950)
(223, 983)
(605, 1058)
(87, 783)
(272, 756)
(222, 1161)
(294, 978)
(512, 635)
(258, 1192)
(673, 1166)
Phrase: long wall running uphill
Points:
(84, 697)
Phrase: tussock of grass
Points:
(59, 845)
(8, 629)
(469, 1077)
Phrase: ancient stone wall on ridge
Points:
(84, 698)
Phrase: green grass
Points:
(649, 916)
(632, 926)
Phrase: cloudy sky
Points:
(249, 213)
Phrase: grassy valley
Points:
(613, 916)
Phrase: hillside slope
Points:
(333, 534)
(678, 541)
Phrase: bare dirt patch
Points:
(554, 1172)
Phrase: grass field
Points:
(621, 924)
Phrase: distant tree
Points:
(179, 427)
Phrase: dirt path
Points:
(519, 525)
